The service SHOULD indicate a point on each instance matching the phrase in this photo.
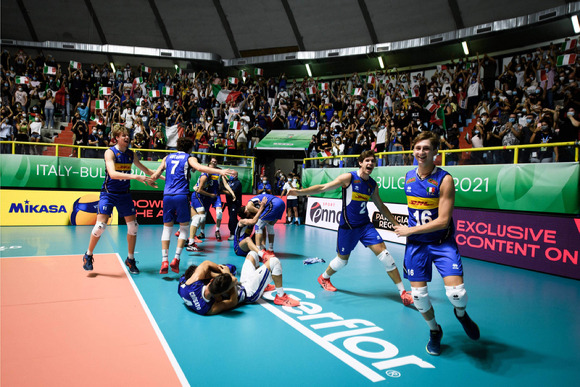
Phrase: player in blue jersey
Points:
(209, 288)
(274, 211)
(243, 237)
(207, 194)
(358, 187)
(115, 192)
(175, 197)
(431, 239)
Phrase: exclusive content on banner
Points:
(544, 243)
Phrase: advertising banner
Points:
(149, 208)
(543, 243)
(287, 140)
(23, 171)
(49, 208)
(326, 213)
(549, 187)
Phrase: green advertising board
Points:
(287, 140)
(550, 187)
(64, 173)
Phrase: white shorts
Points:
(254, 280)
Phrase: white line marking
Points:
(168, 352)
(352, 362)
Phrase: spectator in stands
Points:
(49, 102)
(476, 141)
(512, 136)
(23, 130)
(543, 134)
(264, 186)
(568, 130)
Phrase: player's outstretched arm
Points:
(204, 168)
(159, 170)
(341, 181)
(382, 208)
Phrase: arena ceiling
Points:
(233, 29)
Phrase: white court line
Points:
(168, 352)
(346, 358)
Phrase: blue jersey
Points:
(212, 183)
(274, 208)
(123, 162)
(354, 201)
(423, 204)
(178, 174)
(192, 295)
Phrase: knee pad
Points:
(99, 229)
(336, 264)
(196, 220)
(202, 218)
(457, 295)
(270, 228)
(255, 257)
(218, 213)
(387, 259)
(421, 299)
(183, 232)
(132, 227)
(275, 266)
(166, 234)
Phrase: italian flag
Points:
(414, 92)
(75, 65)
(100, 105)
(49, 70)
(373, 102)
(138, 80)
(179, 71)
(145, 69)
(441, 67)
(139, 101)
(224, 95)
(311, 90)
(154, 94)
(168, 91)
(105, 91)
(569, 44)
(431, 107)
(564, 60)
(22, 80)
(233, 81)
(324, 86)
(235, 125)
(259, 72)
(371, 79)
(243, 73)
(324, 153)
(431, 190)
(357, 91)
(543, 76)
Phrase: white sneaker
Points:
(231, 238)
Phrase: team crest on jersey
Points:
(434, 182)
(356, 181)
(410, 180)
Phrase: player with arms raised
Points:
(358, 187)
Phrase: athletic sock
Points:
(280, 291)
(165, 255)
(178, 252)
(325, 276)
(433, 325)
(271, 246)
(190, 241)
(89, 252)
(261, 253)
(460, 312)
(131, 256)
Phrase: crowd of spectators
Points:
(530, 99)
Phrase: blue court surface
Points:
(360, 335)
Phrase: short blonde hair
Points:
(117, 130)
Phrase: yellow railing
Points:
(443, 153)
